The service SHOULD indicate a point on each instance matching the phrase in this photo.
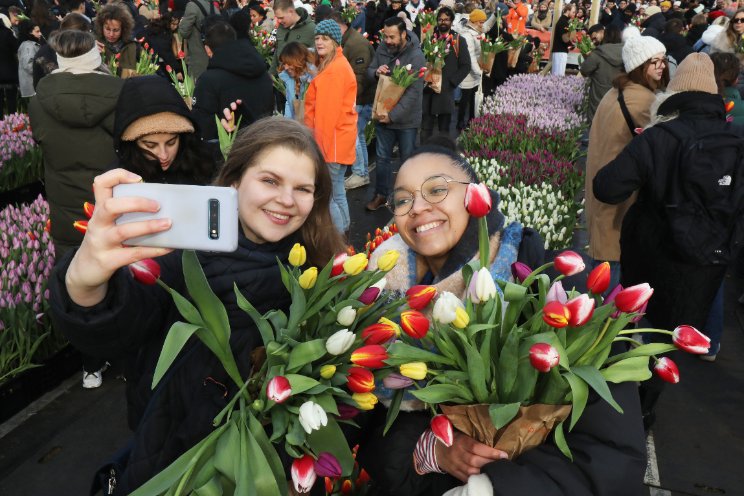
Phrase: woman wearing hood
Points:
(718, 27)
(601, 67)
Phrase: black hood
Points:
(147, 95)
(694, 105)
(240, 58)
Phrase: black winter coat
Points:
(8, 62)
(131, 323)
(236, 71)
(683, 292)
(676, 46)
(654, 25)
(456, 68)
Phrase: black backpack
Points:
(704, 198)
(209, 19)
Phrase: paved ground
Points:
(54, 446)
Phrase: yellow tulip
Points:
(327, 371)
(392, 324)
(307, 279)
(297, 255)
(356, 264)
(461, 318)
(388, 260)
(414, 370)
(365, 401)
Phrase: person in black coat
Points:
(236, 71)
(438, 107)
(98, 305)
(654, 23)
(159, 34)
(676, 44)
(8, 70)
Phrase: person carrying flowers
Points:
(114, 25)
(283, 197)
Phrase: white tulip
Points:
(445, 308)
(312, 416)
(485, 287)
(346, 316)
(340, 342)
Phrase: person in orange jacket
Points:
(516, 20)
(330, 112)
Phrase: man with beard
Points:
(400, 125)
(562, 41)
(440, 106)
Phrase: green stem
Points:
(644, 331)
(629, 340)
(483, 241)
(599, 338)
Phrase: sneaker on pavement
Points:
(354, 181)
(376, 203)
(92, 380)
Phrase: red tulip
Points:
(181, 55)
(379, 333)
(599, 278)
(419, 296)
(327, 465)
(48, 226)
(631, 299)
(689, 339)
(146, 271)
(346, 412)
(88, 208)
(442, 429)
(520, 271)
(581, 309)
(477, 200)
(667, 370)
(278, 389)
(371, 356)
(569, 263)
(81, 226)
(360, 380)
(168, 68)
(338, 264)
(556, 314)
(414, 323)
(543, 357)
(303, 473)
(147, 45)
(729, 106)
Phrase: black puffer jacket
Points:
(8, 49)
(654, 25)
(131, 323)
(235, 72)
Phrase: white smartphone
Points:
(203, 217)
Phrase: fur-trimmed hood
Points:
(669, 105)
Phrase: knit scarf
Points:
(82, 64)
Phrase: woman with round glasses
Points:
(730, 39)
(436, 237)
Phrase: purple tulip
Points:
(347, 412)
(327, 465)
(520, 271)
(397, 381)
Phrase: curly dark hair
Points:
(115, 11)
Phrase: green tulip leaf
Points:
(331, 438)
(279, 422)
(211, 488)
(326, 402)
(228, 445)
(400, 353)
(503, 414)
(645, 350)
(266, 467)
(560, 441)
(630, 369)
(300, 383)
(305, 353)
(393, 410)
(442, 393)
(508, 364)
(475, 370)
(579, 393)
(178, 335)
(211, 308)
(594, 378)
(267, 334)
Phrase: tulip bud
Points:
(303, 473)
(477, 200)
(346, 316)
(689, 339)
(168, 68)
(312, 416)
(278, 389)
(338, 264)
(346, 412)
(462, 319)
(146, 271)
(667, 370)
(445, 308)
(543, 357)
(556, 293)
(520, 271)
(327, 465)
(442, 429)
(373, 292)
(181, 54)
(569, 263)
(257, 405)
(414, 323)
(631, 299)
(414, 370)
(371, 356)
(419, 296)
(556, 314)
(81, 226)
(366, 401)
(88, 208)
(297, 255)
(388, 260)
(380, 332)
(340, 342)
(360, 380)
(485, 287)
(729, 106)
(327, 371)
(581, 310)
(308, 278)
(396, 381)
(599, 278)
(356, 264)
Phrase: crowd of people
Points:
(664, 156)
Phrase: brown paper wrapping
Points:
(528, 429)
(512, 57)
(534, 66)
(387, 96)
(299, 110)
(433, 76)
(486, 62)
(187, 100)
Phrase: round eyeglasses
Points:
(433, 190)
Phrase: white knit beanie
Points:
(639, 49)
(630, 32)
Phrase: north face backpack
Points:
(704, 198)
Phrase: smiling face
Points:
(432, 230)
(276, 195)
(112, 30)
(162, 147)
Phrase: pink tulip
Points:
(632, 299)
(569, 263)
(146, 271)
(543, 357)
(689, 339)
(442, 429)
(667, 370)
(581, 308)
(477, 200)
(278, 389)
(520, 271)
(327, 465)
(599, 278)
(556, 293)
(303, 473)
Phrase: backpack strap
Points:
(626, 113)
(203, 10)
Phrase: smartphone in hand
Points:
(203, 218)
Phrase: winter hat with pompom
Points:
(639, 49)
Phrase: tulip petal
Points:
(442, 429)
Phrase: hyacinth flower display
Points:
(521, 357)
(313, 372)
(20, 156)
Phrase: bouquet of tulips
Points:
(348, 14)
(264, 42)
(390, 89)
(308, 377)
(183, 82)
(112, 63)
(426, 19)
(20, 156)
(380, 236)
(584, 44)
(510, 362)
(489, 49)
(148, 62)
(436, 49)
(515, 48)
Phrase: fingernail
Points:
(164, 223)
(133, 176)
(503, 456)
